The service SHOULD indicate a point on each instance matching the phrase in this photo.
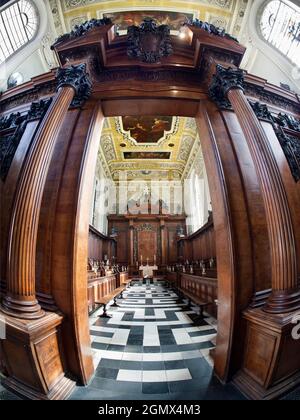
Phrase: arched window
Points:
(280, 26)
(18, 25)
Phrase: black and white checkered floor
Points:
(152, 348)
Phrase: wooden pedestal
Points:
(32, 357)
(271, 364)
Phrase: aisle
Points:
(152, 348)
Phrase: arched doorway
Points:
(71, 221)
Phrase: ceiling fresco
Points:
(147, 129)
(173, 19)
(228, 14)
(152, 147)
(166, 159)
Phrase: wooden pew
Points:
(104, 301)
(203, 291)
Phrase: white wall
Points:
(36, 57)
(262, 59)
(197, 201)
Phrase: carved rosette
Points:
(149, 42)
(76, 77)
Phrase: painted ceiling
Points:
(152, 147)
(228, 14)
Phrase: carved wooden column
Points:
(20, 300)
(270, 363)
(32, 351)
(285, 292)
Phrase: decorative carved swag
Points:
(233, 78)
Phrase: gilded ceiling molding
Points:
(73, 4)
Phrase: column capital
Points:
(224, 80)
(75, 76)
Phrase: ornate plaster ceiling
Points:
(167, 158)
(223, 13)
(127, 145)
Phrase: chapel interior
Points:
(150, 200)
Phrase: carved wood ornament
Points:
(149, 42)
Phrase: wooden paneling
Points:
(100, 246)
(151, 235)
(147, 245)
(172, 244)
(201, 245)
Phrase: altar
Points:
(147, 270)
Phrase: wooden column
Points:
(32, 351)
(20, 299)
(285, 292)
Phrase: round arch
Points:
(76, 155)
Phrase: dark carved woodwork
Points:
(211, 29)
(290, 143)
(83, 29)
(224, 80)
(149, 42)
(100, 245)
(291, 148)
(76, 77)
(198, 246)
(268, 327)
(12, 128)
